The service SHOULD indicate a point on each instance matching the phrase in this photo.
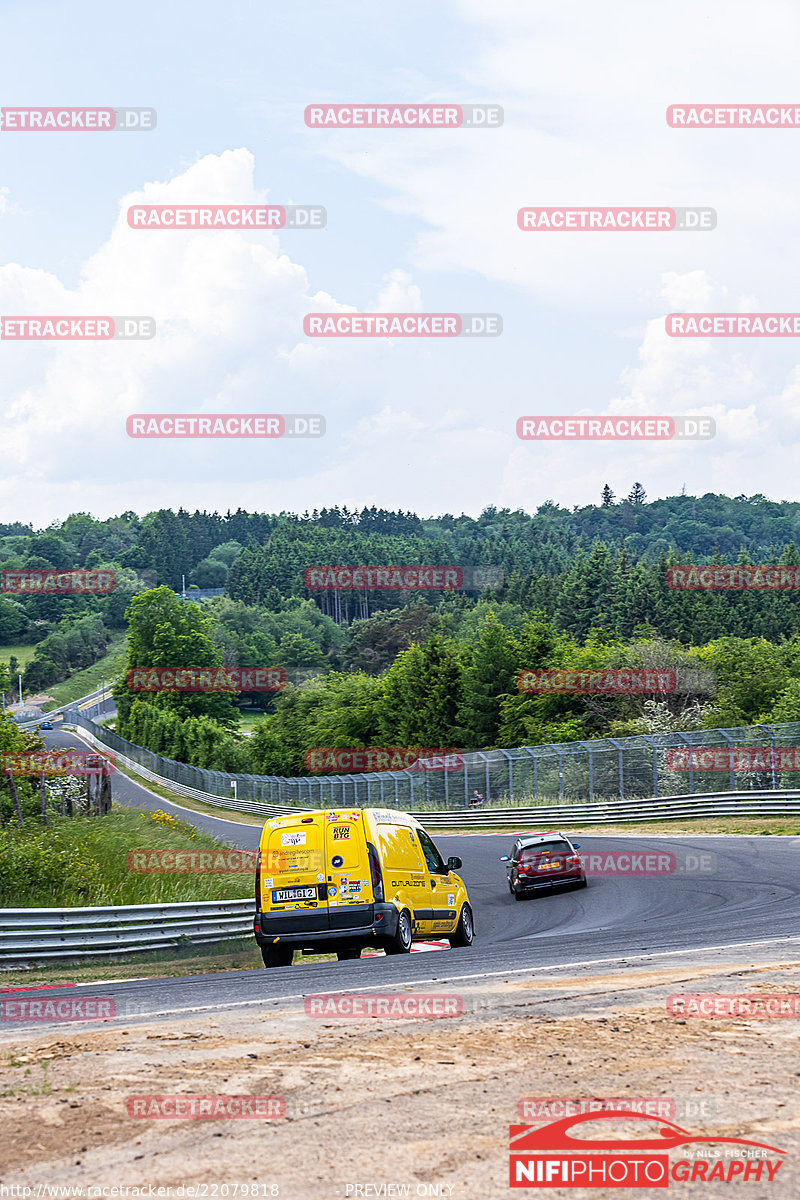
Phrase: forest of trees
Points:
(581, 587)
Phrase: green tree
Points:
(165, 632)
(488, 677)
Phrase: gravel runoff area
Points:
(419, 1104)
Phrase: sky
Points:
(418, 220)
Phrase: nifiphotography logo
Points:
(552, 1155)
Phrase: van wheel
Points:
(401, 942)
(277, 956)
(465, 930)
(519, 895)
(348, 952)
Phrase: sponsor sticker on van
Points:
(293, 839)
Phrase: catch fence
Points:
(569, 772)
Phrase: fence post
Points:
(655, 763)
(555, 746)
(732, 787)
(15, 798)
(43, 794)
(774, 745)
(510, 774)
(688, 741)
(615, 742)
(588, 746)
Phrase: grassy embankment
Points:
(85, 861)
(82, 683)
(23, 654)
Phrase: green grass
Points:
(84, 861)
(235, 954)
(249, 720)
(23, 654)
(88, 680)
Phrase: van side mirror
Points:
(453, 863)
(505, 858)
(576, 845)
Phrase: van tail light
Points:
(574, 860)
(258, 879)
(375, 872)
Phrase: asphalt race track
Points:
(726, 892)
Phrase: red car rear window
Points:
(548, 848)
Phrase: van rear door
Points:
(347, 870)
(293, 868)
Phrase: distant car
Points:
(543, 860)
(46, 725)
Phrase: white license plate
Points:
(281, 895)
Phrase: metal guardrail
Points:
(669, 808)
(28, 935)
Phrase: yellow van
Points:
(340, 881)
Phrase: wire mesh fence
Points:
(749, 758)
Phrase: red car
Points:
(543, 860)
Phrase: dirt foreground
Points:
(399, 1107)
